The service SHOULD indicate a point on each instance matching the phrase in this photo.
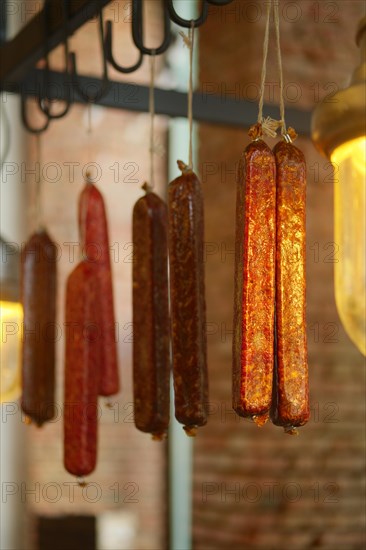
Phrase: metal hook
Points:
(137, 29)
(105, 81)
(109, 54)
(23, 109)
(219, 2)
(187, 23)
(44, 103)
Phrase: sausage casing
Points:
(187, 296)
(291, 395)
(151, 323)
(82, 362)
(38, 289)
(253, 355)
(95, 241)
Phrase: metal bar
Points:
(19, 55)
(3, 21)
(132, 97)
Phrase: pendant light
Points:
(339, 132)
(11, 316)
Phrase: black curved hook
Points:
(45, 103)
(109, 54)
(187, 23)
(89, 98)
(219, 2)
(23, 110)
(138, 25)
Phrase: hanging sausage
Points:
(254, 283)
(38, 289)
(291, 400)
(187, 296)
(151, 332)
(95, 243)
(82, 363)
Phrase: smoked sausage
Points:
(82, 361)
(95, 244)
(151, 324)
(38, 290)
(187, 298)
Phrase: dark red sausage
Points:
(291, 407)
(253, 355)
(188, 306)
(81, 370)
(39, 265)
(95, 242)
(151, 323)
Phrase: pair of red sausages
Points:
(91, 365)
(155, 230)
(270, 371)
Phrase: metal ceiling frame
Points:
(208, 108)
(20, 55)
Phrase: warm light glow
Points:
(11, 317)
(350, 235)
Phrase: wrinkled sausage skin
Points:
(151, 323)
(253, 355)
(291, 394)
(187, 296)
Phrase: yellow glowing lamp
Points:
(339, 132)
(11, 317)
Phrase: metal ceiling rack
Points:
(59, 19)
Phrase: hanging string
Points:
(89, 131)
(264, 65)
(267, 126)
(280, 70)
(190, 94)
(189, 42)
(88, 180)
(83, 216)
(152, 118)
(83, 220)
(38, 189)
(89, 127)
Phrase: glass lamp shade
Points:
(11, 316)
(339, 132)
(349, 160)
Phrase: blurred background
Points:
(235, 486)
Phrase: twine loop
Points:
(189, 43)
(268, 126)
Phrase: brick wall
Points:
(261, 489)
